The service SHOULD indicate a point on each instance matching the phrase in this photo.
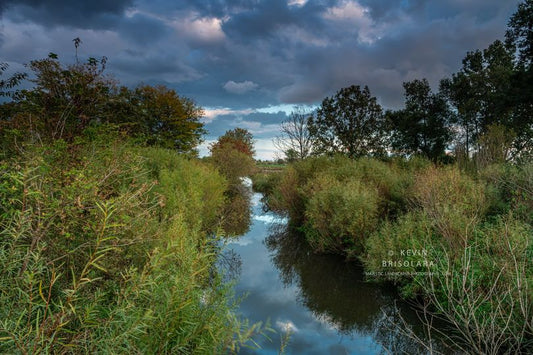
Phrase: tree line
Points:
(66, 100)
(484, 111)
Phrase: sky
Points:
(249, 63)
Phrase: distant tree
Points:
(232, 154)
(421, 127)
(294, 139)
(519, 35)
(239, 139)
(161, 117)
(351, 122)
(519, 39)
(480, 92)
(291, 156)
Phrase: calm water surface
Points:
(322, 299)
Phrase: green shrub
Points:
(484, 291)
(107, 248)
(265, 182)
(187, 187)
(452, 200)
(340, 215)
(399, 250)
(512, 189)
(392, 182)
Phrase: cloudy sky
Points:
(248, 62)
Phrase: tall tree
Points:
(351, 122)
(519, 35)
(519, 39)
(239, 139)
(163, 118)
(479, 92)
(295, 140)
(421, 127)
(64, 99)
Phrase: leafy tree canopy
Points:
(66, 99)
(239, 139)
(351, 123)
(421, 127)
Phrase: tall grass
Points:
(109, 248)
(461, 241)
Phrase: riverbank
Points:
(107, 247)
(321, 301)
(462, 241)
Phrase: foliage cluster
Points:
(484, 109)
(232, 155)
(463, 241)
(67, 99)
(109, 234)
(106, 247)
(339, 201)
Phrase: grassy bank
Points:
(110, 248)
(464, 242)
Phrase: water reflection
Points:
(331, 288)
(321, 298)
(237, 210)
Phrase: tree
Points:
(161, 117)
(64, 99)
(11, 82)
(295, 139)
(494, 146)
(232, 154)
(239, 139)
(351, 122)
(519, 35)
(519, 39)
(421, 127)
(480, 92)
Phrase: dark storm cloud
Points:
(95, 14)
(143, 29)
(422, 45)
(260, 124)
(217, 8)
(246, 54)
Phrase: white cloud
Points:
(211, 113)
(298, 3)
(264, 148)
(204, 29)
(287, 108)
(348, 10)
(286, 326)
(240, 88)
(352, 14)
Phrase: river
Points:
(322, 299)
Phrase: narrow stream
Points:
(322, 299)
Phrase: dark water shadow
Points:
(335, 291)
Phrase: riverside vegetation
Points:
(436, 197)
(109, 221)
(109, 225)
(460, 243)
